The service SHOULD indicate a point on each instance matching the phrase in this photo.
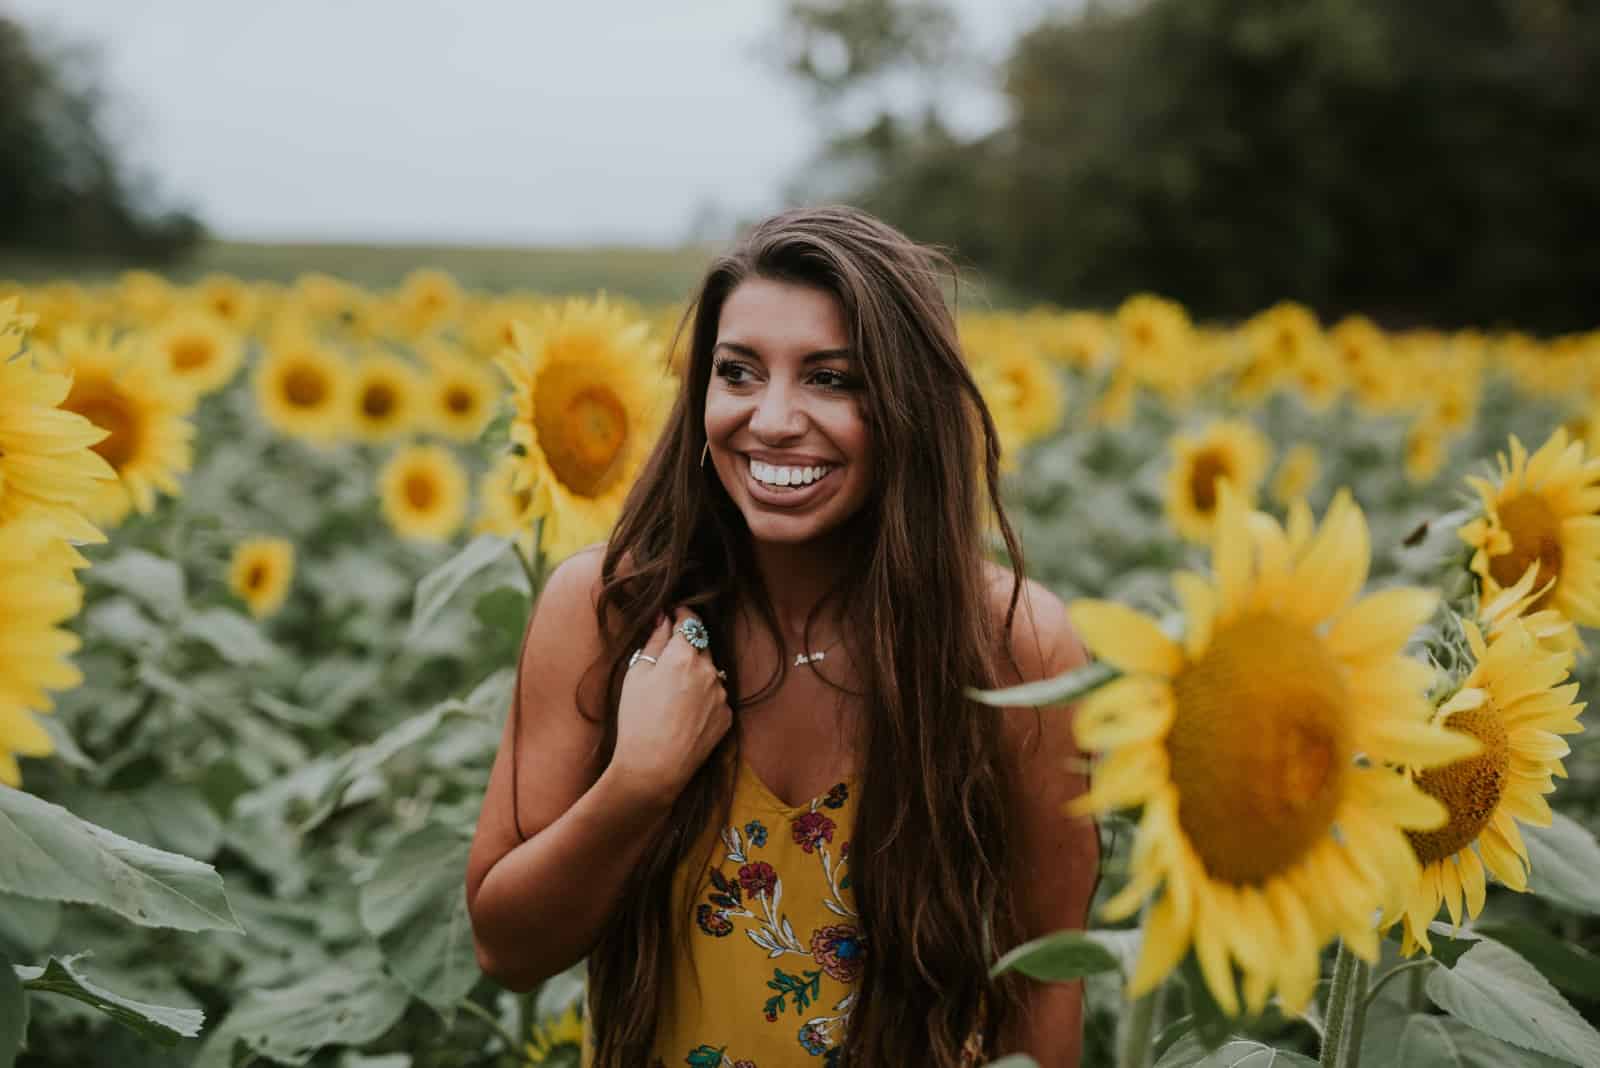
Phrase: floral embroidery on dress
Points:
(752, 900)
(708, 1056)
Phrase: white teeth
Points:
(786, 476)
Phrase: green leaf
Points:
(158, 1023)
(1079, 682)
(168, 815)
(365, 759)
(1564, 864)
(1567, 965)
(13, 1014)
(438, 586)
(1500, 994)
(1190, 1052)
(1058, 957)
(1211, 1026)
(155, 580)
(415, 905)
(27, 926)
(347, 1004)
(49, 854)
(1421, 1040)
(235, 638)
(1014, 1060)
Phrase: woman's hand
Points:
(670, 716)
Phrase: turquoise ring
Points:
(694, 632)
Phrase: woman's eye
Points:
(729, 370)
(834, 380)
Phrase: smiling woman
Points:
(767, 857)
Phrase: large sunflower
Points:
(460, 395)
(303, 388)
(38, 592)
(260, 573)
(1511, 704)
(1226, 449)
(122, 387)
(1542, 508)
(386, 397)
(48, 466)
(590, 393)
(424, 492)
(1256, 746)
(199, 351)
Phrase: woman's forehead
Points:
(765, 314)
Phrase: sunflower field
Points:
(266, 555)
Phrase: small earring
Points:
(704, 452)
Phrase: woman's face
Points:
(784, 404)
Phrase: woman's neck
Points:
(797, 578)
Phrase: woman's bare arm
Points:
(1057, 855)
(537, 906)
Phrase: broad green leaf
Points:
(1567, 965)
(1058, 957)
(13, 1014)
(439, 585)
(365, 759)
(347, 1004)
(1079, 682)
(168, 815)
(1014, 1060)
(159, 1023)
(1500, 994)
(1190, 1052)
(1423, 1040)
(235, 638)
(415, 905)
(120, 621)
(47, 853)
(1211, 1026)
(1564, 864)
(66, 748)
(27, 926)
(155, 580)
(352, 1059)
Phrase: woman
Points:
(741, 777)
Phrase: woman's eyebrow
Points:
(812, 357)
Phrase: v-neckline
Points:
(779, 803)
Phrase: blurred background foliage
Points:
(1421, 161)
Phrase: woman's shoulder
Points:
(1041, 637)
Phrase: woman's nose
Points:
(777, 414)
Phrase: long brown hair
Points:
(930, 850)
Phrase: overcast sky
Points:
(474, 121)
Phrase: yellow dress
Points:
(776, 943)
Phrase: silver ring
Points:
(638, 655)
(721, 674)
(694, 632)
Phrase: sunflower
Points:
(260, 573)
(590, 391)
(1265, 832)
(553, 1034)
(230, 300)
(1512, 705)
(38, 592)
(386, 397)
(1003, 349)
(144, 297)
(1153, 336)
(1542, 509)
(199, 351)
(122, 387)
(488, 328)
(1000, 396)
(424, 492)
(48, 466)
(460, 395)
(503, 509)
(1077, 339)
(1298, 472)
(1226, 449)
(303, 388)
(1426, 449)
(427, 301)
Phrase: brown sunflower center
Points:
(1204, 471)
(584, 443)
(305, 387)
(106, 406)
(379, 400)
(459, 400)
(1535, 532)
(1143, 334)
(191, 352)
(1259, 748)
(1469, 788)
(420, 491)
(256, 577)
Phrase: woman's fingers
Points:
(659, 637)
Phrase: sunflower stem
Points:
(494, 1025)
(1416, 967)
(1138, 1031)
(1358, 1013)
(1337, 1035)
